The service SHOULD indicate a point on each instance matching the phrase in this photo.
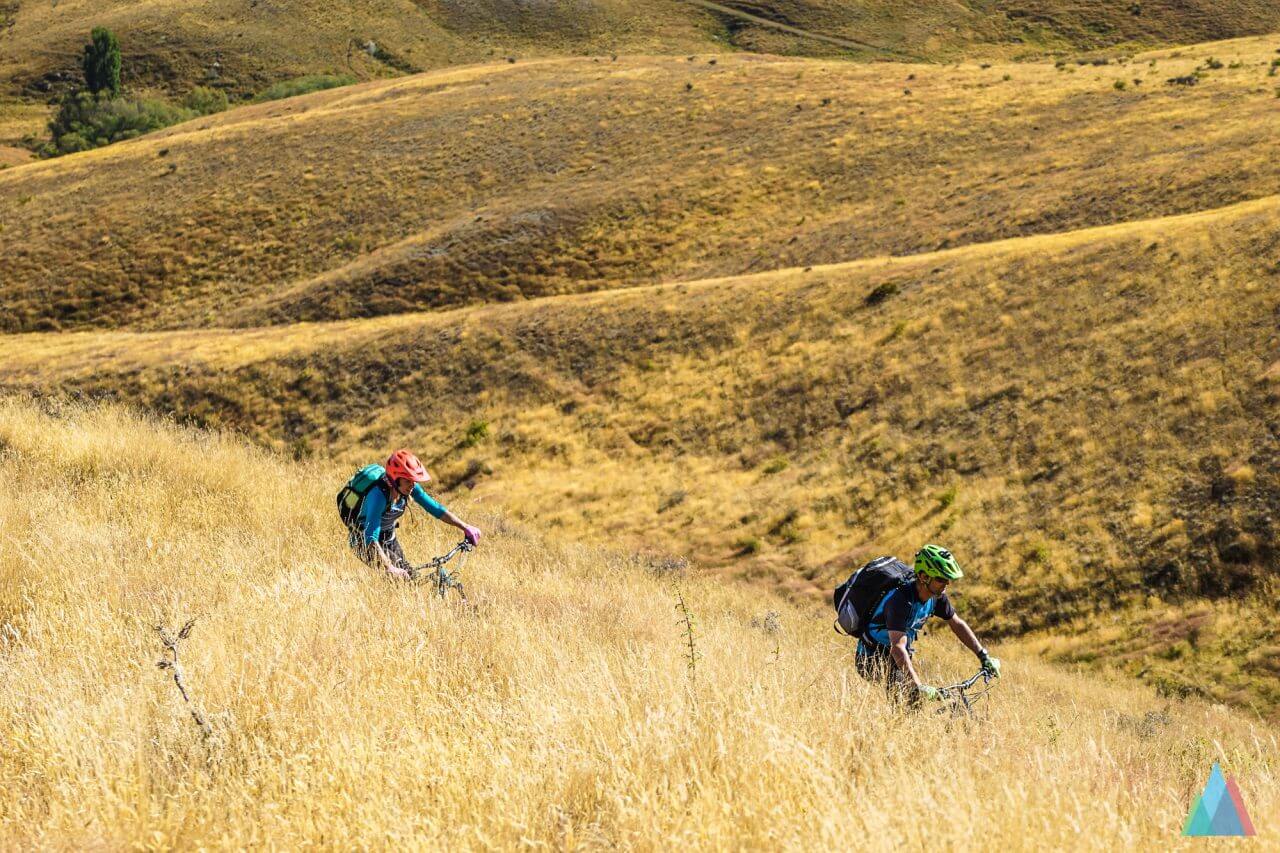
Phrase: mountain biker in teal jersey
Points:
(373, 529)
(887, 644)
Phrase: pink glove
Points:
(471, 534)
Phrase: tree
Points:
(102, 62)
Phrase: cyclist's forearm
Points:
(966, 636)
(387, 563)
(903, 660)
(449, 518)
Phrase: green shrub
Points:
(894, 333)
(205, 102)
(477, 431)
(85, 122)
(101, 62)
(1119, 85)
(882, 292)
(791, 534)
(776, 466)
(748, 545)
(303, 85)
(947, 498)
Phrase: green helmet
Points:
(937, 562)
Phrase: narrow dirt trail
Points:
(851, 44)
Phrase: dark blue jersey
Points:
(902, 610)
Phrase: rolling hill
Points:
(1090, 418)
(507, 182)
(772, 314)
(176, 45)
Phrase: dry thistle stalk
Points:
(170, 662)
(688, 630)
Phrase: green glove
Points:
(990, 664)
(933, 694)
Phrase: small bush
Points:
(1212, 64)
(776, 466)
(882, 292)
(303, 85)
(791, 534)
(477, 431)
(748, 545)
(84, 122)
(672, 500)
(947, 498)
(1119, 85)
(896, 332)
(204, 102)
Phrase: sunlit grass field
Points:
(346, 711)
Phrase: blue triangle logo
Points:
(1219, 811)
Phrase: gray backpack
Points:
(857, 598)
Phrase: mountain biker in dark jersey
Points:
(885, 650)
(373, 534)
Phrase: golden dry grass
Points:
(350, 712)
(507, 182)
(1083, 409)
(19, 123)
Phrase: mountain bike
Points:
(960, 700)
(436, 573)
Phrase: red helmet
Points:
(403, 465)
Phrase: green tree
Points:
(102, 62)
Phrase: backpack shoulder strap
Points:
(880, 602)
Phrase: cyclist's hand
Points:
(471, 534)
(932, 694)
(991, 665)
(398, 573)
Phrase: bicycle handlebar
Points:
(965, 685)
(439, 562)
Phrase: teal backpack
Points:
(351, 497)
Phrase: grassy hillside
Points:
(1088, 418)
(181, 44)
(241, 48)
(506, 182)
(562, 713)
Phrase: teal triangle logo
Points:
(1219, 810)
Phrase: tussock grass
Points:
(349, 711)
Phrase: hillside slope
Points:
(1091, 418)
(224, 43)
(561, 713)
(507, 182)
(241, 48)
